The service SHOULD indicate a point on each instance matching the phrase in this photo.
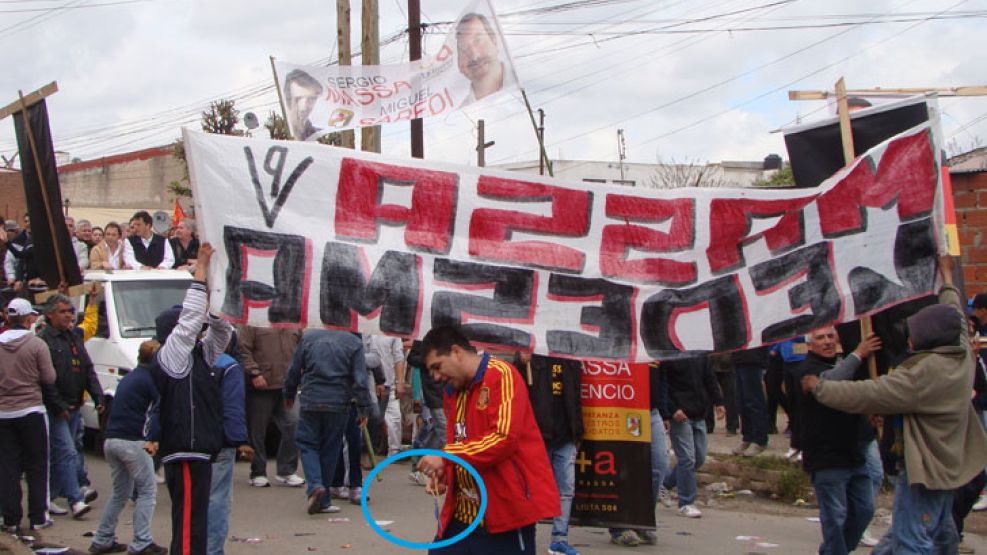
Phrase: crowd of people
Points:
(205, 393)
(133, 245)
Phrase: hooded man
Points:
(944, 445)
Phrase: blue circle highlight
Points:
(369, 479)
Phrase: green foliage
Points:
(221, 118)
(792, 484)
(277, 127)
(781, 178)
(332, 139)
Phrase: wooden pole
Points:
(415, 54)
(540, 136)
(941, 91)
(481, 150)
(277, 87)
(347, 138)
(44, 189)
(846, 135)
(370, 22)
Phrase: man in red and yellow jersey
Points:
(491, 427)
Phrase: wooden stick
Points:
(941, 91)
(44, 189)
(846, 135)
(29, 99)
(277, 87)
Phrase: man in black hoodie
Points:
(691, 388)
(834, 445)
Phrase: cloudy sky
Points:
(697, 80)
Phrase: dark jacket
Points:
(692, 387)
(331, 369)
(757, 358)
(182, 256)
(829, 438)
(134, 411)
(189, 385)
(73, 368)
(540, 394)
(658, 390)
(234, 397)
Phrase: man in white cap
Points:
(23, 430)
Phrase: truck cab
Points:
(128, 303)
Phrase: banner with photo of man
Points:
(472, 65)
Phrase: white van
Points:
(128, 304)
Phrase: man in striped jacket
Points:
(491, 427)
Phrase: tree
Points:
(277, 126)
(673, 175)
(781, 178)
(221, 118)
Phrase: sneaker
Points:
(291, 480)
(88, 494)
(740, 449)
(626, 538)
(690, 511)
(329, 509)
(46, 524)
(80, 508)
(755, 450)
(648, 537)
(665, 496)
(260, 482)
(151, 549)
(342, 492)
(355, 495)
(159, 475)
(10, 529)
(418, 477)
(56, 509)
(868, 540)
(112, 548)
(981, 503)
(561, 548)
(315, 500)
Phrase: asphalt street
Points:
(274, 520)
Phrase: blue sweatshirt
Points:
(134, 411)
(234, 415)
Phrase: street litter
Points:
(765, 544)
(339, 519)
(813, 519)
(346, 546)
(384, 522)
(245, 540)
(305, 534)
(745, 492)
(718, 487)
(683, 533)
(748, 538)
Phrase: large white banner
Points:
(315, 236)
(473, 64)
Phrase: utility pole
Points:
(370, 20)
(481, 144)
(541, 140)
(347, 138)
(621, 152)
(415, 54)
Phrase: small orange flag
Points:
(178, 214)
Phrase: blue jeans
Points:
(78, 427)
(751, 403)
(220, 495)
(846, 505)
(320, 439)
(922, 520)
(875, 469)
(354, 447)
(132, 470)
(659, 454)
(563, 460)
(64, 459)
(689, 443)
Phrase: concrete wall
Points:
(970, 200)
(136, 180)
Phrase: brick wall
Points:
(12, 203)
(970, 199)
